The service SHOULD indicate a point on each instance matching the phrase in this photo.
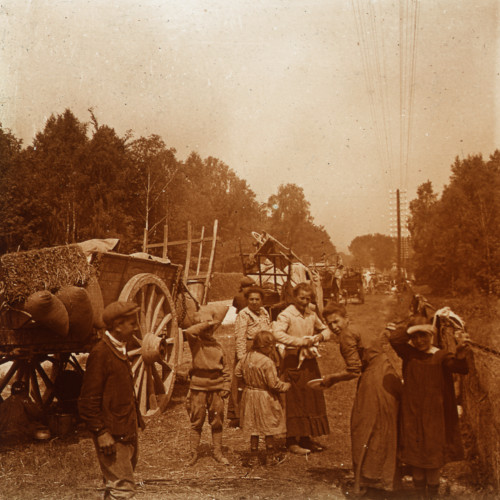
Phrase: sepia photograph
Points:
(249, 249)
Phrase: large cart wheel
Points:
(155, 350)
(39, 372)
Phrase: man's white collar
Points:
(120, 346)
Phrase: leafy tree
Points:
(108, 195)
(423, 210)
(153, 169)
(207, 190)
(377, 249)
(455, 238)
(289, 211)
(290, 221)
(11, 223)
(81, 180)
(58, 160)
(470, 207)
(313, 243)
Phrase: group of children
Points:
(428, 426)
(261, 409)
(428, 432)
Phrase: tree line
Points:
(456, 236)
(81, 180)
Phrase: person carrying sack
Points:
(209, 387)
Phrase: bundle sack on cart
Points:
(55, 288)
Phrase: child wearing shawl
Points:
(429, 430)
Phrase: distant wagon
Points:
(45, 355)
(352, 286)
(277, 270)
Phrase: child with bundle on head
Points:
(209, 386)
(429, 428)
(261, 410)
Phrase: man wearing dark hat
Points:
(107, 401)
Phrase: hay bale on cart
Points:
(32, 351)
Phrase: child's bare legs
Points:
(252, 459)
(254, 451)
(215, 406)
(426, 477)
(254, 443)
(271, 453)
(419, 481)
(269, 446)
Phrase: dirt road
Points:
(322, 475)
(68, 469)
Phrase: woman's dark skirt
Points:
(305, 407)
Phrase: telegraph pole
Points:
(398, 204)
(399, 230)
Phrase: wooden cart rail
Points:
(115, 270)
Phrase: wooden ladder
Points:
(191, 279)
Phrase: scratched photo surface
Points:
(350, 101)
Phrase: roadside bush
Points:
(481, 387)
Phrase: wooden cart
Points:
(277, 270)
(352, 286)
(40, 358)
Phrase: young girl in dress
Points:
(261, 410)
(429, 430)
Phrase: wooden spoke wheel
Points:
(39, 372)
(154, 352)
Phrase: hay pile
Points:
(481, 401)
(24, 273)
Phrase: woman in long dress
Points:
(374, 418)
(298, 328)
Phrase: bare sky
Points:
(274, 88)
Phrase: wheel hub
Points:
(154, 349)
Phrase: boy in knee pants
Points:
(209, 386)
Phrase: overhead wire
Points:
(402, 83)
(409, 11)
(374, 79)
(382, 74)
(411, 90)
(373, 50)
(367, 73)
